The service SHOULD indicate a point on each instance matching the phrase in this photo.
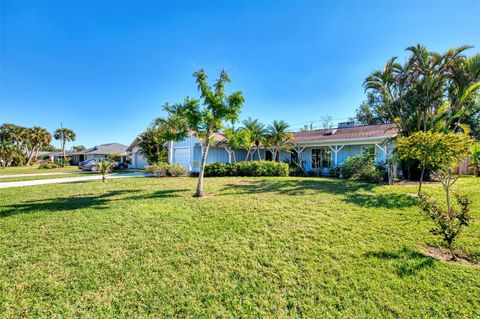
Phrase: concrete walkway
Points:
(66, 180)
(41, 174)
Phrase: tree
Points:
(437, 152)
(278, 138)
(475, 159)
(152, 146)
(257, 134)
(326, 122)
(447, 223)
(9, 153)
(104, 167)
(78, 148)
(37, 137)
(430, 91)
(236, 138)
(205, 117)
(64, 135)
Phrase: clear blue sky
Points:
(105, 68)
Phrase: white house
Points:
(318, 149)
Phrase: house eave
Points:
(355, 141)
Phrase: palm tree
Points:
(236, 138)
(278, 137)
(64, 134)
(104, 167)
(37, 137)
(256, 133)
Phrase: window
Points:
(321, 157)
(368, 150)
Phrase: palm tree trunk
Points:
(31, 156)
(64, 154)
(199, 192)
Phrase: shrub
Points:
(335, 171)
(363, 167)
(48, 165)
(449, 222)
(63, 162)
(250, 168)
(162, 169)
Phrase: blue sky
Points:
(105, 68)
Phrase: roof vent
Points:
(346, 124)
(329, 132)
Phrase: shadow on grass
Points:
(97, 201)
(74, 202)
(348, 191)
(409, 261)
(166, 193)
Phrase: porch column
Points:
(335, 153)
(170, 152)
(383, 149)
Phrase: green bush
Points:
(363, 167)
(165, 169)
(48, 165)
(250, 168)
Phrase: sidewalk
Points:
(66, 179)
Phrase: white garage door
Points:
(182, 156)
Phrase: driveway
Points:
(66, 180)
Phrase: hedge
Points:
(250, 168)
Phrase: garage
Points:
(182, 156)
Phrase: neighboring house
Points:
(318, 149)
(98, 151)
(138, 160)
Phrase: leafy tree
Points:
(37, 137)
(278, 138)
(236, 138)
(104, 167)
(257, 135)
(372, 111)
(49, 148)
(205, 117)
(434, 151)
(78, 148)
(64, 135)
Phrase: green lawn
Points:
(35, 170)
(271, 247)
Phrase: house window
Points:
(321, 157)
(368, 150)
(268, 155)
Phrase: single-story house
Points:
(98, 151)
(317, 149)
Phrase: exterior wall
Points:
(219, 154)
(138, 160)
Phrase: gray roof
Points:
(103, 149)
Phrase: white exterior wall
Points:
(138, 160)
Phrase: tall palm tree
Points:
(64, 135)
(256, 132)
(279, 137)
(37, 137)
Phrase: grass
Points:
(256, 247)
(35, 170)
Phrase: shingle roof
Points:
(103, 149)
(348, 133)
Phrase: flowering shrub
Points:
(165, 169)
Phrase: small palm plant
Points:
(104, 167)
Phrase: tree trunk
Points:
(199, 192)
(64, 154)
(421, 180)
(31, 156)
(103, 177)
